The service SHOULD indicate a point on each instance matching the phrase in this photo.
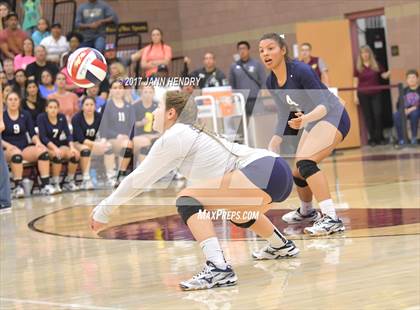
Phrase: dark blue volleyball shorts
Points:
(272, 175)
(343, 125)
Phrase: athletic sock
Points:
(45, 181)
(213, 252)
(327, 208)
(69, 178)
(86, 176)
(56, 180)
(18, 182)
(276, 240)
(306, 207)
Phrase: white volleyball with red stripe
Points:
(86, 67)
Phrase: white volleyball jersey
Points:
(195, 154)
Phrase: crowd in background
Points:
(50, 121)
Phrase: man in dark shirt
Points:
(209, 75)
(409, 104)
(34, 70)
(91, 19)
(247, 74)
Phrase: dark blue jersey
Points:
(303, 91)
(58, 133)
(141, 113)
(117, 121)
(18, 132)
(82, 130)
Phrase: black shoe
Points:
(4, 207)
(372, 143)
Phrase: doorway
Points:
(369, 28)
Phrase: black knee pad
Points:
(244, 225)
(85, 153)
(73, 160)
(127, 153)
(299, 182)
(307, 168)
(56, 160)
(17, 159)
(44, 156)
(188, 206)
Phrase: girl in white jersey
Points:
(222, 175)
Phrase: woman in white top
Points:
(222, 175)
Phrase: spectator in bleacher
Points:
(5, 195)
(21, 61)
(18, 126)
(3, 80)
(209, 74)
(47, 85)
(69, 102)
(74, 39)
(56, 44)
(34, 70)
(367, 74)
(111, 55)
(9, 71)
(32, 12)
(94, 93)
(42, 31)
(91, 19)
(55, 134)
(7, 90)
(20, 81)
(248, 74)
(410, 104)
(118, 119)
(117, 71)
(85, 128)
(316, 63)
(33, 102)
(4, 10)
(11, 38)
(144, 133)
(156, 53)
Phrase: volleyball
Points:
(86, 67)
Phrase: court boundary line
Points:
(31, 225)
(47, 303)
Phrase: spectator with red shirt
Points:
(21, 61)
(69, 102)
(316, 63)
(11, 38)
(156, 53)
(366, 75)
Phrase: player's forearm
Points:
(319, 112)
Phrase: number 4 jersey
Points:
(18, 132)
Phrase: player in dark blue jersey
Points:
(21, 143)
(298, 90)
(144, 133)
(55, 134)
(117, 126)
(86, 139)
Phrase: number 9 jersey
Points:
(18, 132)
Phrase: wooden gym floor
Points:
(50, 259)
